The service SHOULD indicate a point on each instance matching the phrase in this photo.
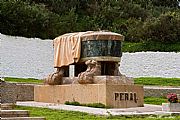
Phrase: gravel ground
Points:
(33, 58)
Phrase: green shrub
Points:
(132, 18)
(34, 20)
(134, 30)
(95, 105)
(163, 29)
(56, 6)
(167, 3)
(75, 103)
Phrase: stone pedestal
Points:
(171, 107)
(114, 96)
(109, 80)
(113, 80)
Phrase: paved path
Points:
(146, 110)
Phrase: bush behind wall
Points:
(139, 21)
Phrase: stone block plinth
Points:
(115, 96)
(113, 80)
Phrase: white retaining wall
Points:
(33, 58)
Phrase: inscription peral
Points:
(126, 96)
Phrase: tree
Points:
(166, 3)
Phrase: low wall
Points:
(11, 92)
(40, 53)
(25, 92)
(8, 92)
(150, 91)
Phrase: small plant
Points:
(75, 103)
(95, 105)
(172, 98)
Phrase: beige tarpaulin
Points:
(67, 48)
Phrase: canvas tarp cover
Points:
(67, 47)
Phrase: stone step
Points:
(14, 113)
(7, 106)
(23, 118)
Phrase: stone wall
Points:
(8, 92)
(39, 60)
(159, 91)
(25, 92)
(12, 92)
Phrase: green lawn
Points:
(70, 115)
(50, 114)
(142, 81)
(23, 80)
(154, 100)
(158, 81)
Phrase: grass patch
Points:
(157, 81)
(155, 100)
(50, 114)
(23, 80)
(150, 46)
(95, 105)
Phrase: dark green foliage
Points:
(33, 20)
(150, 46)
(164, 29)
(19, 18)
(138, 20)
(167, 3)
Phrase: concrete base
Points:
(171, 107)
(115, 96)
